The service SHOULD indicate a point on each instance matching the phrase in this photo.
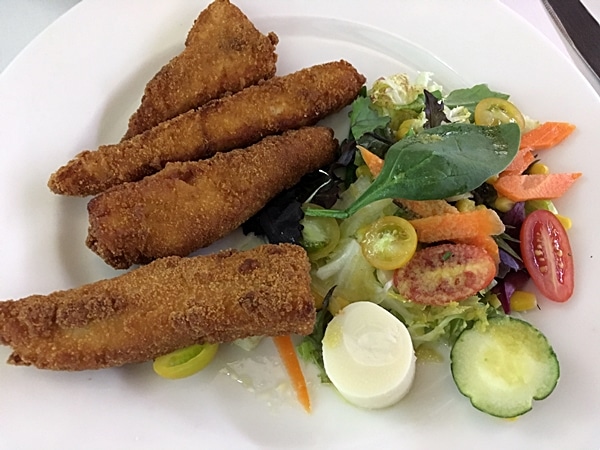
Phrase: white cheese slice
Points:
(368, 355)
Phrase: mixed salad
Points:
(424, 234)
(439, 211)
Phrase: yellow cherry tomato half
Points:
(495, 111)
(406, 126)
(186, 361)
(388, 243)
(320, 235)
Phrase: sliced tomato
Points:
(445, 273)
(389, 242)
(547, 255)
(495, 111)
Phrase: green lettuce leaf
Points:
(364, 119)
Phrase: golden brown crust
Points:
(224, 53)
(276, 105)
(168, 304)
(190, 205)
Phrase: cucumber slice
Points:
(503, 367)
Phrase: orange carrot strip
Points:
(484, 241)
(287, 352)
(458, 226)
(519, 188)
(522, 161)
(427, 208)
(546, 135)
(373, 162)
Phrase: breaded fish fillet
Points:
(190, 205)
(166, 305)
(224, 53)
(276, 105)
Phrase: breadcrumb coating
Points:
(276, 105)
(224, 53)
(163, 306)
(190, 205)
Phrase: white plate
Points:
(76, 85)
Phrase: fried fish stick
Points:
(169, 304)
(190, 205)
(278, 104)
(224, 53)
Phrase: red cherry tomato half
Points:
(445, 273)
(547, 255)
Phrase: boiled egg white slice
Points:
(368, 355)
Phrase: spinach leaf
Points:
(469, 97)
(364, 119)
(438, 163)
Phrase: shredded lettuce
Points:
(396, 91)
(433, 324)
(350, 272)
(354, 191)
(530, 123)
(400, 98)
(351, 226)
(459, 114)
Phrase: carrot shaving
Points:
(520, 163)
(546, 135)
(519, 188)
(373, 162)
(428, 208)
(287, 352)
(458, 226)
(484, 241)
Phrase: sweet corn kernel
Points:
(565, 221)
(503, 204)
(465, 204)
(538, 168)
(492, 179)
(336, 304)
(522, 301)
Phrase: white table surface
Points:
(21, 21)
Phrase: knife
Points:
(580, 29)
